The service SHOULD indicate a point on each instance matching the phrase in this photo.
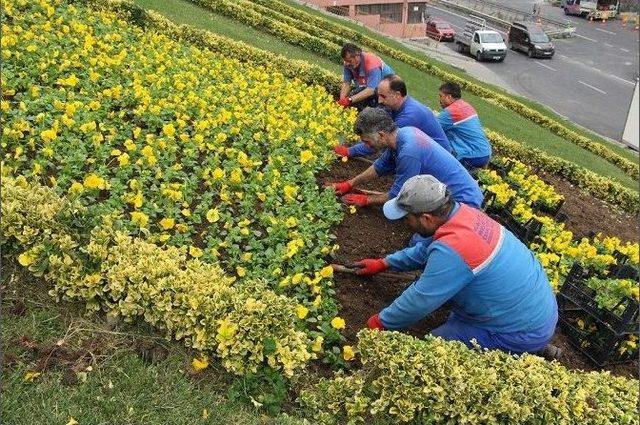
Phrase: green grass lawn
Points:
(421, 85)
(97, 375)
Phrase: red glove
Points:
(356, 199)
(375, 323)
(341, 150)
(371, 266)
(344, 102)
(342, 188)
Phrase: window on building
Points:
(338, 10)
(417, 13)
(388, 12)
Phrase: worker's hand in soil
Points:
(356, 199)
(341, 150)
(344, 102)
(342, 188)
(371, 266)
(374, 322)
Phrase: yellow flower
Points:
(200, 364)
(76, 188)
(326, 272)
(169, 130)
(241, 271)
(306, 156)
(167, 223)
(291, 222)
(338, 322)
(139, 218)
(26, 259)
(352, 209)
(93, 181)
(290, 192)
(195, 252)
(301, 311)
(49, 135)
(317, 344)
(348, 353)
(123, 159)
(213, 215)
(217, 174)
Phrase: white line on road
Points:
(608, 45)
(586, 38)
(622, 79)
(624, 50)
(546, 66)
(591, 87)
(608, 32)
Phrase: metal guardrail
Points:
(502, 16)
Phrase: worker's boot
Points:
(550, 352)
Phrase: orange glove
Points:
(371, 266)
(341, 150)
(374, 322)
(356, 199)
(342, 188)
(345, 101)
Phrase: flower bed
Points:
(203, 160)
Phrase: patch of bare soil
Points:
(586, 214)
(368, 234)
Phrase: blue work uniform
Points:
(411, 114)
(501, 295)
(462, 126)
(416, 153)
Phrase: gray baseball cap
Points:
(419, 194)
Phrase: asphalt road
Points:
(590, 79)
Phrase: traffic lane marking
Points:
(624, 50)
(608, 32)
(591, 87)
(544, 65)
(608, 45)
(586, 38)
(599, 71)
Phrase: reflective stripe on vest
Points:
(369, 62)
(476, 237)
(461, 111)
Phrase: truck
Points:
(479, 41)
(591, 9)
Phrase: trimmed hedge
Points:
(406, 379)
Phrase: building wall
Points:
(377, 22)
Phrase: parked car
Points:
(440, 30)
(529, 38)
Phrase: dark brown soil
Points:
(368, 234)
(587, 214)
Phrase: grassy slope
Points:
(422, 86)
(120, 388)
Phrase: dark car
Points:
(440, 30)
(530, 39)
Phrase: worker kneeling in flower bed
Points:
(408, 152)
(500, 292)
